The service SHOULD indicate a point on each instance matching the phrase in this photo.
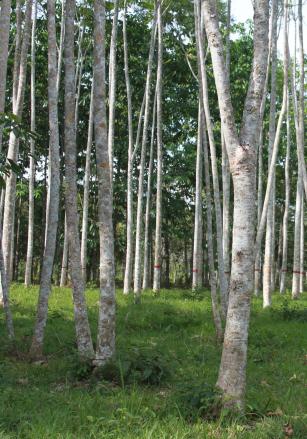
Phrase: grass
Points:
(59, 399)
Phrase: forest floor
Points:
(162, 383)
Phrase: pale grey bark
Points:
(129, 228)
(297, 238)
(214, 297)
(158, 232)
(215, 176)
(17, 51)
(5, 19)
(86, 187)
(106, 320)
(225, 168)
(242, 153)
(60, 53)
(302, 248)
(269, 237)
(284, 264)
(112, 86)
(146, 265)
(5, 295)
(271, 173)
(197, 277)
(84, 341)
(54, 190)
(64, 265)
(139, 215)
(28, 269)
(10, 192)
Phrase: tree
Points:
(242, 153)
(106, 320)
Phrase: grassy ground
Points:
(167, 339)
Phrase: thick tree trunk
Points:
(28, 270)
(106, 320)
(242, 155)
(302, 248)
(64, 265)
(297, 239)
(158, 233)
(84, 341)
(86, 188)
(54, 189)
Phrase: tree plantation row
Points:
(150, 145)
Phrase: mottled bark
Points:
(86, 187)
(54, 189)
(105, 348)
(158, 232)
(302, 248)
(84, 341)
(28, 269)
(242, 153)
(297, 239)
(64, 265)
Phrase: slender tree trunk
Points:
(139, 215)
(302, 249)
(86, 187)
(225, 168)
(64, 265)
(54, 190)
(5, 295)
(10, 192)
(112, 87)
(215, 177)
(284, 263)
(198, 223)
(269, 237)
(61, 46)
(146, 266)
(5, 19)
(214, 298)
(242, 153)
(158, 234)
(84, 341)
(28, 271)
(297, 238)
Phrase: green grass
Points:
(49, 401)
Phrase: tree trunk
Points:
(198, 223)
(139, 215)
(84, 341)
(269, 237)
(28, 270)
(112, 87)
(86, 188)
(106, 321)
(302, 248)
(5, 19)
(242, 153)
(158, 233)
(284, 264)
(64, 265)
(10, 190)
(146, 266)
(297, 238)
(54, 190)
